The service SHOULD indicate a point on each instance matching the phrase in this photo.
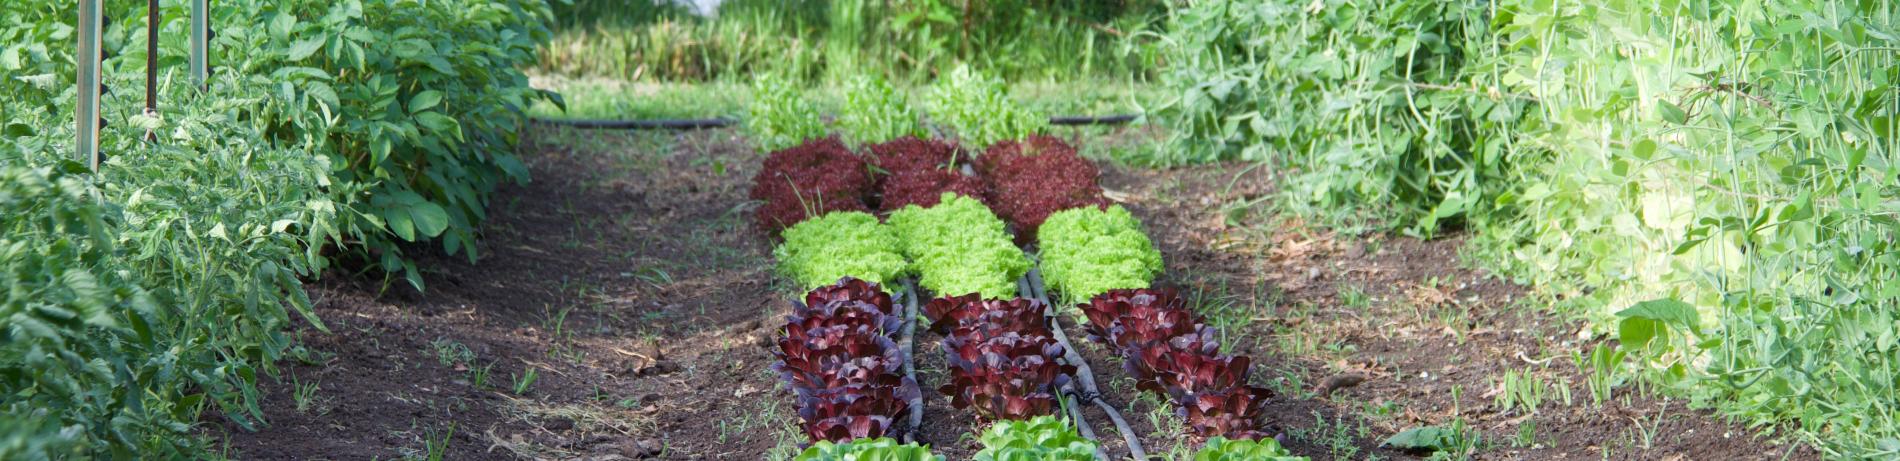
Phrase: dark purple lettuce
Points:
(837, 357)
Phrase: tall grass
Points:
(1710, 180)
(901, 40)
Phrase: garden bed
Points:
(671, 311)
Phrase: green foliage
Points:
(879, 449)
(1733, 156)
(1382, 107)
(160, 287)
(821, 250)
(172, 296)
(1221, 449)
(959, 247)
(1729, 156)
(418, 102)
(906, 40)
(66, 306)
(1088, 251)
(779, 115)
(874, 112)
(978, 109)
(1044, 438)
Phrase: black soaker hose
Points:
(910, 359)
(722, 122)
(1090, 392)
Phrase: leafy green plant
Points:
(779, 116)
(417, 103)
(1378, 105)
(1730, 161)
(873, 112)
(1452, 441)
(879, 449)
(1088, 251)
(977, 108)
(194, 243)
(820, 251)
(1043, 438)
(1222, 449)
(959, 247)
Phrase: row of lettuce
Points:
(137, 298)
(1725, 163)
(923, 208)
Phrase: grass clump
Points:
(1088, 251)
(959, 247)
(821, 250)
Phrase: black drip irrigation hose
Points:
(1068, 393)
(722, 122)
(1083, 373)
(910, 359)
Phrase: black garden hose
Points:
(722, 122)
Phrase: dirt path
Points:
(627, 280)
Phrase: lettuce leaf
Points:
(820, 251)
(1089, 251)
(959, 247)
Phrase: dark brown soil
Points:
(628, 279)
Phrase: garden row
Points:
(1007, 360)
(138, 297)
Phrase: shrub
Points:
(1089, 251)
(417, 103)
(880, 449)
(822, 250)
(1384, 111)
(1044, 438)
(173, 295)
(325, 123)
(959, 247)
